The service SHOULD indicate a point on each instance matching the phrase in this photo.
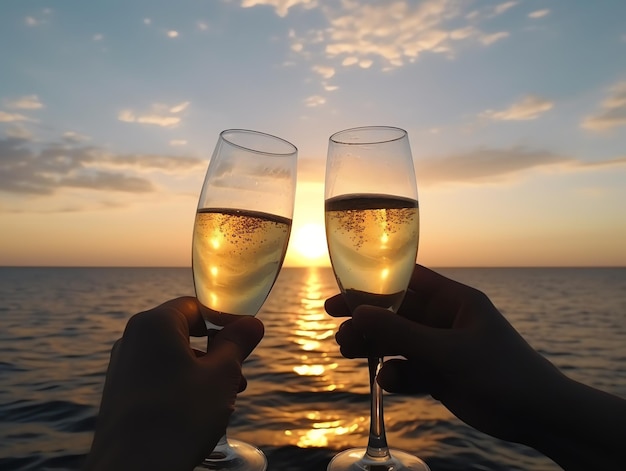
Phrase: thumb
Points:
(236, 340)
(389, 334)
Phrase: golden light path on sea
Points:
(312, 331)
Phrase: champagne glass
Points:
(372, 230)
(240, 237)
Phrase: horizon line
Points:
(320, 266)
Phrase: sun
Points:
(309, 241)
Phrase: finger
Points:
(336, 306)
(243, 384)
(237, 339)
(351, 341)
(388, 334)
(192, 311)
(405, 377)
(115, 349)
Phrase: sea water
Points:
(304, 402)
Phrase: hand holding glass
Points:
(372, 229)
(240, 238)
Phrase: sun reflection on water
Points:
(313, 333)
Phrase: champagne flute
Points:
(372, 230)
(240, 237)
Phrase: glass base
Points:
(356, 459)
(234, 456)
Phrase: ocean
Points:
(304, 401)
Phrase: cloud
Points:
(391, 33)
(612, 112)
(489, 39)
(180, 107)
(27, 102)
(178, 142)
(74, 137)
(463, 33)
(616, 162)
(538, 14)
(326, 72)
(394, 31)
(54, 166)
(281, 6)
(490, 165)
(530, 107)
(12, 117)
(490, 11)
(98, 37)
(172, 34)
(20, 131)
(39, 19)
(147, 21)
(158, 115)
(158, 120)
(501, 8)
(315, 100)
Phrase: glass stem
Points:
(377, 442)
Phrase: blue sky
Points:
(516, 112)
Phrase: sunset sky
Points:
(516, 114)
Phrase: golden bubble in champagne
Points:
(372, 241)
(236, 258)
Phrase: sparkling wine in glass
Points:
(240, 238)
(372, 230)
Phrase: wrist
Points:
(577, 426)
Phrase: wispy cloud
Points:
(490, 11)
(491, 165)
(172, 33)
(502, 7)
(27, 102)
(482, 165)
(180, 107)
(388, 34)
(539, 14)
(178, 142)
(74, 137)
(488, 39)
(315, 100)
(38, 18)
(612, 111)
(326, 72)
(393, 31)
(158, 115)
(12, 117)
(53, 167)
(281, 6)
(19, 131)
(530, 107)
